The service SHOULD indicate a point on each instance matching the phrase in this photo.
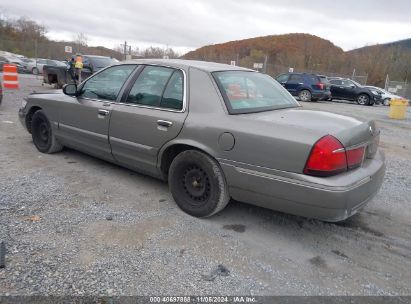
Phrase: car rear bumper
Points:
(322, 95)
(331, 199)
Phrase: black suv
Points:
(308, 87)
(343, 88)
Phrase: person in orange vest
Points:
(78, 65)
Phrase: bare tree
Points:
(80, 39)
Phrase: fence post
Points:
(386, 83)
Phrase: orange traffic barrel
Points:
(10, 80)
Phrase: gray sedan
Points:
(215, 132)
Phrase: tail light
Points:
(320, 86)
(329, 157)
(355, 157)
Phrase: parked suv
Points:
(308, 87)
(343, 88)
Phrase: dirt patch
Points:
(235, 227)
(318, 262)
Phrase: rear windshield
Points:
(101, 62)
(323, 79)
(248, 92)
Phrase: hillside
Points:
(309, 53)
(26, 37)
(301, 51)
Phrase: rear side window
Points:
(158, 87)
(335, 82)
(247, 92)
(324, 79)
(296, 78)
(173, 94)
(313, 78)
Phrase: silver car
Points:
(215, 132)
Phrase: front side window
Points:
(247, 92)
(107, 84)
(282, 78)
(149, 86)
(347, 83)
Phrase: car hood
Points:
(316, 124)
(51, 92)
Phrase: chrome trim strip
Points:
(63, 126)
(301, 183)
(130, 143)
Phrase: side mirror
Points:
(352, 86)
(70, 89)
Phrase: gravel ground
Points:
(76, 225)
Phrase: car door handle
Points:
(103, 112)
(164, 123)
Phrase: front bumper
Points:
(22, 117)
(331, 199)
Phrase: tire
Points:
(197, 184)
(304, 95)
(386, 101)
(35, 71)
(42, 134)
(363, 99)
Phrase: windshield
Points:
(59, 63)
(247, 92)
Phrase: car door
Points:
(84, 121)
(349, 90)
(295, 81)
(337, 89)
(151, 113)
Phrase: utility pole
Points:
(125, 49)
(265, 64)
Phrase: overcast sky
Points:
(189, 24)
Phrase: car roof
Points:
(95, 56)
(186, 64)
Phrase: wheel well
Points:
(170, 153)
(29, 117)
(364, 93)
(52, 78)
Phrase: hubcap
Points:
(196, 183)
(304, 95)
(362, 99)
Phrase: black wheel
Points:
(197, 184)
(35, 71)
(42, 134)
(363, 99)
(304, 95)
